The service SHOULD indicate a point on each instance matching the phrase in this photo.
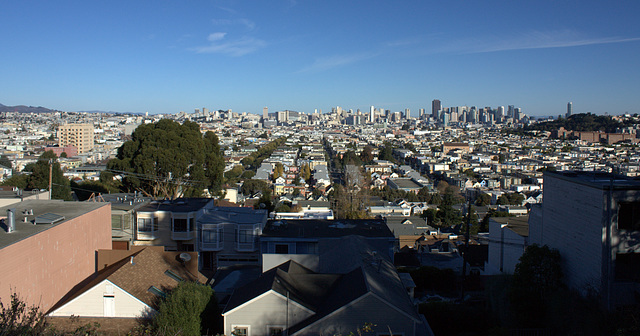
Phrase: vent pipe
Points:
(11, 220)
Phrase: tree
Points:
(538, 274)
(4, 161)
(180, 312)
(483, 199)
(86, 188)
(39, 177)
(250, 187)
(63, 155)
(170, 160)
(278, 171)
(386, 153)
(305, 172)
(367, 154)
(19, 319)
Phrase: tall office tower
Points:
(372, 113)
(407, 113)
(511, 111)
(421, 113)
(518, 113)
(265, 113)
(283, 116)
(205, 110)
(436, 106)
(79, 135)
(500, 112)
(569, 109)
(196, 111)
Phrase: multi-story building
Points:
(78, 135)
(593, 220)
(221, 235)
(48, 247)
(436, 106)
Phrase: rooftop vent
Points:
(49, 218)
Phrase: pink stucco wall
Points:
(44, 267)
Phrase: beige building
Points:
(78, 135)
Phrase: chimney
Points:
(11, 220)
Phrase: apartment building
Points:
(78, 135)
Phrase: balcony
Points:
(147, 235)
(182, 235)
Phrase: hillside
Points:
(583, 122)
(25, 109)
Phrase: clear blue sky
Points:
(170, 56)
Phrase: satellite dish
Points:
(185, 257)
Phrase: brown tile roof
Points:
(136, 273)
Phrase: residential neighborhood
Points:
(312, 224)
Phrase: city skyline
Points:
(298, 55)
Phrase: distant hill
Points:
(25, 109)
(582, 122)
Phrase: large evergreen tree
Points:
(167, 159)
(38, 177)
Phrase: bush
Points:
(180, 312)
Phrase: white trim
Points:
(92, 288)
(270, 291)
(234, 326)
(281, 326)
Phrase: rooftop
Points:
(320, 228)
(596, 179)
(519, 225)
(68, 210)
(176, 205)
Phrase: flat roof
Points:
(176, 205)
(323, 228)
(406, 183)
(519, 225)
(68, 210)
(600, 180)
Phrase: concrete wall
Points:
(44, 267)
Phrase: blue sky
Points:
(169, 56)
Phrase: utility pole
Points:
(466, 250)
(50, 173)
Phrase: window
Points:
(157, 292)
(173, 276)
(282, 248)
(180, 225)
(245, 236)
(212, 235)
(240, 331)
(116, 222)
(147, 224)
(629, 216)
(275, 330)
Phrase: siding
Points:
(91, 303)
(573, 223)
(270, 309)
